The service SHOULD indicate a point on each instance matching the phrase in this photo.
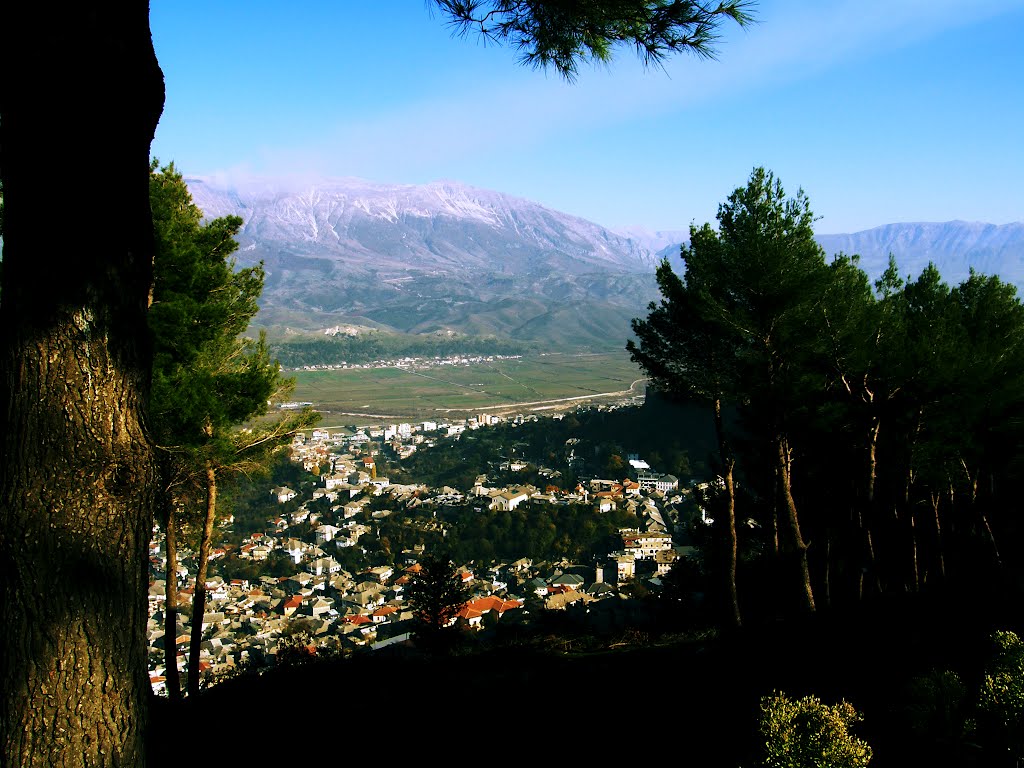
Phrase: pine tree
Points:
(209, 379)
(436, 594)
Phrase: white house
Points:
(506, 501)
(325, 533)
(644, 545)
(283, 494)
(335, 481)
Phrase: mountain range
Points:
(449, 259)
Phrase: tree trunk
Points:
(78, 109)
(172, 679)
(199, 597)
(871, 516)
(794, 539)
(732, 608)
(977, 505)
(939, 543)
(826, 590)
(915, 570)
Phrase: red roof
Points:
(482, 605)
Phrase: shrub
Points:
(1001, 698)
(806, 733)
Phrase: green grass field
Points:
(535, 383)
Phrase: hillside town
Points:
(324, 608)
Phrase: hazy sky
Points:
(881, 110)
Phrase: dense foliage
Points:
(878, 431)
(1001, 699)
(209, 378)
(807, 733)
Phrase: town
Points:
(322, 607)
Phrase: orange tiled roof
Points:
(490, 603)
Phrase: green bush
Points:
(1001, 698)
(806, 733)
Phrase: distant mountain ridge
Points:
(449, 259)
(953, 246)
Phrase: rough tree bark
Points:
(78, 109)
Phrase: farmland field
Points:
(537, 383)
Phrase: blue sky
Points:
(881, 110)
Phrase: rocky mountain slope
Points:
(442, 258)
(449, 259)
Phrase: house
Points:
(290, 605)
(324, 565)
(283, 494)
(665, 559)
(652, 481)
(299, 583)
(384, 613)
(642, 545)
(365, 599)
(325, 533)
(624, 567)
(472, 613)
(506, 501)
(380, 574)
(317, 606)
(560, 599)
(538, 586)
(520, 565)
(295, 549)
(352, 509)
(332, 482)
(567, 581)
